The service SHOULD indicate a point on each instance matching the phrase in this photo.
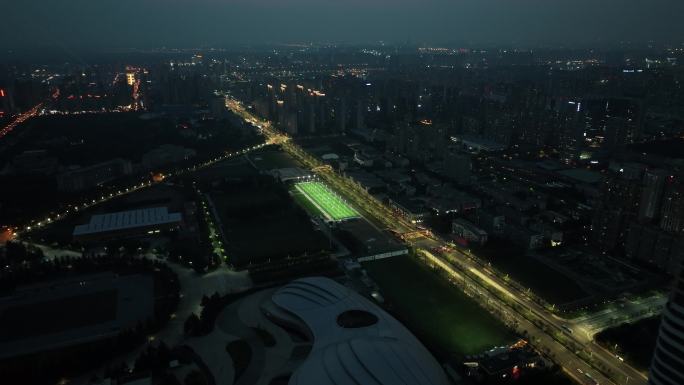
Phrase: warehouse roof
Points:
(125, 220)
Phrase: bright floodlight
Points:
(331, 205)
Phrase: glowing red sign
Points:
(515, 372)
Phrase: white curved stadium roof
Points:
(384, 353)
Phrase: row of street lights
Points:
(71, 209)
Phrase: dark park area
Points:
(634, 342)
(261, 222)
(17, 322)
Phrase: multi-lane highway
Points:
(581, 358)
(20, 119)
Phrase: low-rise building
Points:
(411, 209)
(448, 201)
(127, 224)
(82, 178)
(367, 243)
(466, 230)
(525, 237)
(491, 222)
(368, 181)
(288, 174)
(34, 162)
(166, 154)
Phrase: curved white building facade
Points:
(354, 341)
(667, 367)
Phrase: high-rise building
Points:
(341, 115)
(130, 78)
(651, 194)
(667, 366)
(608, 227)
(5, 102)
(359, 117)
(648, 243)
(672, 211)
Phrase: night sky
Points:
(204, 23)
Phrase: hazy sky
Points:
(192, 23)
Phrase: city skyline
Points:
(333, 192)
(215, 23)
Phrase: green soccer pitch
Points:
(332, 206)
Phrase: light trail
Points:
(492, 283)
(20, 119)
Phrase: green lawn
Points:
(332, 206)
(305, 203)
(445, 319)
(546, 282)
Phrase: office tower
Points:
(341, 116)
(667, 366)
(5, 102)
(359, 116)
(651, 194)
(672, 210)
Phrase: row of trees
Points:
(17, 253)
(319, 264)
(212, 306)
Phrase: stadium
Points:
(325, 201)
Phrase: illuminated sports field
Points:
(332, 206)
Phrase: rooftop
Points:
(469, 226)
(127, 220)
(582, 175)
(355, 342)
(290, 173)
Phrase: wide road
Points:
(20, 119)
(547, 331)
(577, 352)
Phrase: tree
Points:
(192, 325)
(195, 378)
(168, 379)
(17, 252)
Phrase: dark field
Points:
(53, 316)
(635, 342)
(268, 160)
(262, 222)
(93, 138)
(546, 282)
(444, 318)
